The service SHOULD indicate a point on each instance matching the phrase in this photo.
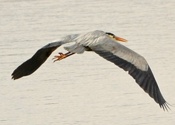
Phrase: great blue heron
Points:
(104, 44)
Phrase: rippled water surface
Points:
(85, 89)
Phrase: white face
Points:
(111, 35)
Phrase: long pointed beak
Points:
(120, 39)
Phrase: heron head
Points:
(116, 37)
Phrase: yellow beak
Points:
(120, 39)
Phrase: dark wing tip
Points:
(31, 65)
(15, 76)
(25, 68)
(166, 106)
(148, 83)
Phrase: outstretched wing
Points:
(132, 62)
(32, 64)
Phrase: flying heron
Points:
(106, 45)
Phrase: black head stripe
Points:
(111, 34)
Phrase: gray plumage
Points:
(108, 48)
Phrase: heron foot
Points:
(61, 56)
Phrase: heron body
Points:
(105, 45)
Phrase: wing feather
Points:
(136, 66)
(32, 64)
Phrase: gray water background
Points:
(85, 89)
